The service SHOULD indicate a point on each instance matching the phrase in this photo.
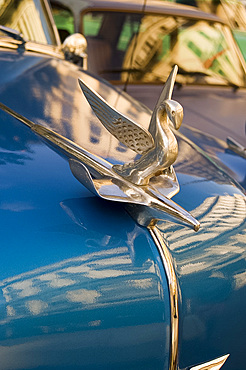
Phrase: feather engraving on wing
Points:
(126, 131)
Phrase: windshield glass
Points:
(28, 17)
(204, 51)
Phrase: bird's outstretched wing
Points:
(126, 131)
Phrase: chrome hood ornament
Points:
(150, 180)
(158, 146)
(145, 185)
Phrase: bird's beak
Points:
(178, 118)
(175, 112)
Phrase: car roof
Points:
(151, 6)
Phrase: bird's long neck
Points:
(159, 122)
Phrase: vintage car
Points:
(103, 263)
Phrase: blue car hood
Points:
(82, 285)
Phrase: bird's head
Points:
(174, 111)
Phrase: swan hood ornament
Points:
(152, 174)
(158, 146)
(145, 186)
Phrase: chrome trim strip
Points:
(173, 293)
(10, 43)
(212, 365)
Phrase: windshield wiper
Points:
(16, 35)
(206, 74)
(193, 73)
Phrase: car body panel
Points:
(75, 282)
(77, 277)
(219, 152)
(65, 280)
(211, 272)
(82, 285)
(210, 265)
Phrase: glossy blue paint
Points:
(81, 285)
(210, 264)
(227, 160)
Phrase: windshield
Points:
(205, 51)
(29, 17)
